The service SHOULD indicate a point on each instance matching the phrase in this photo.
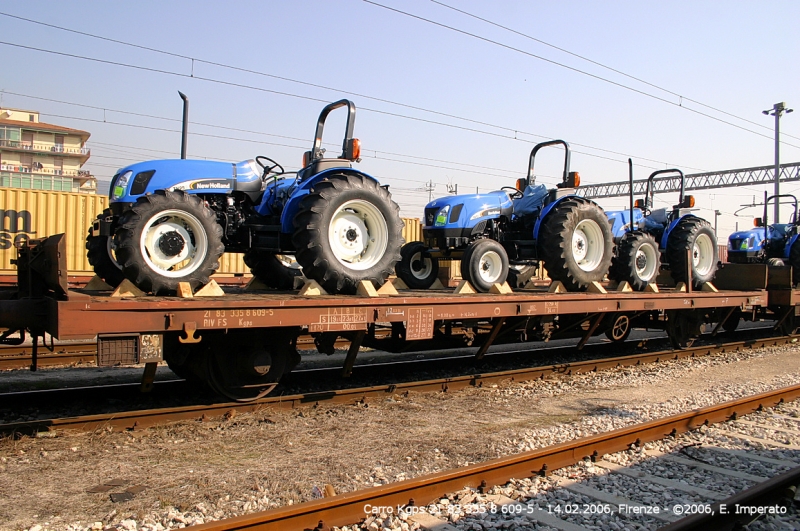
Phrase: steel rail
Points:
(725, 515)
(133, 420)
(349, 508)
(19, 357)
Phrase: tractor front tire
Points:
(168, 237)
(484, 263)
(575, 244)
(693, 234)
(637, 260)
(101, 255)
(273, 270)
(416, 267)
(347, 229)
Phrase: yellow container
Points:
(27, 214)
(412, 232)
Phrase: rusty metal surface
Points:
(783, 297)
(84, 315)
(349, 508)
(741, 276)
(142, 419)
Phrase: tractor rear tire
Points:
(636, 261)
(575, 244)
(101, 255)
(794, 261)
(166, 238)
(271, 270)
(695, 234)
(416, 267)
(347, 229)
(484, 263)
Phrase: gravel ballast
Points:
(194, 472)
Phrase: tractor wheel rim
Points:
(588, 245)
(358, 234)
(421, 266)
(646, 255)
(703, 254)
(168, 224)
(490, 267)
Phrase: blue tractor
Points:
(169, 221)
(774, 244)
(677, 231)
(507, 233)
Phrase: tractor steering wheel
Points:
(268, 168)
(516, 194)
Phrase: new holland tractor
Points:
(169, 221)
(506, 233)
(774, 244)
(677, 232)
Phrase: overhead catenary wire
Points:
(602, 65)
(562, 65)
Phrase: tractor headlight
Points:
(121, 185)
(441, 216)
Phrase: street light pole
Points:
(777, 110)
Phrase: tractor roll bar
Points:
(778, 199)
(347, 145)
(649, 192)
(539, 146)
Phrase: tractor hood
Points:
(193, 176)
(746, 240)
(466, 210)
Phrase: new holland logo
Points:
(16, 228)
(205, 184)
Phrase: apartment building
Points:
(42, 156)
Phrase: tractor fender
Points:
(668, 231)
(789, 245)
(303, 189)
(548, 208)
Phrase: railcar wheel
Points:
(693, 234)
(619, 327)
(186, 360)
(101, 253)
(575, 244)
(683, 328)
(732, 322)
(416, 267)
(484, 263)
(166, 238)
(275, 270)
(636, 261)
(347, 229)
(253, 368)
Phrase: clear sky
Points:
(462, 104)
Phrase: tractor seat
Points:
(659, 215)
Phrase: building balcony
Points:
(14, 145)
(52, 182)
(44, 171)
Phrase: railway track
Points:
(19, 357)
(564, 492)
(132, 420)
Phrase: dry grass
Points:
(282, 455)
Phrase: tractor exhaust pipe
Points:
(630, 180)
(185, 124)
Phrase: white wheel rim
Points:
(703, 254)
(645, 262)
(588, 245)
(421, 267)
(111, 248)
(169, 224)
(490, 266)
(358, 234)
